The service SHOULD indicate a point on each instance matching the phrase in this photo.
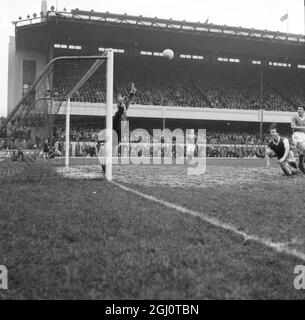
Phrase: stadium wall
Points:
(16, 59)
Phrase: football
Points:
(168, 54)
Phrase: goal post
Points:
(109, 56)
(68, 111)
(109, 113)
(77, 86)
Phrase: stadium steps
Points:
(199, 91)
(284, 97)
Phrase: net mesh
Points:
(38, 120)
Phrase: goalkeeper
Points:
(120, 117)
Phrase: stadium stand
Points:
(186, 83)
(193, 84)
(182, 82)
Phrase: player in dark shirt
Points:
(280, 147)
(120, 117)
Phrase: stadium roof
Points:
(126, 31)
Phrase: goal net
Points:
(73, 95)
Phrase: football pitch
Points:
(235, 232)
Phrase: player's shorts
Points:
(298, 137)
(290, 157)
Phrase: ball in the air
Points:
(168, 54)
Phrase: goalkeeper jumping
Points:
(120, 118)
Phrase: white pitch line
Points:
(278, 247)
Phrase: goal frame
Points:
(109, 57)
(25, 104)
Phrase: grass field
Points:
(148, 234)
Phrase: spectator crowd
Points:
(188, 84)
(167, 83)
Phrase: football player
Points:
(298, 137)
(120, 118)
(280, 147)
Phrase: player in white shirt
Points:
(190, 145)
(298, 137)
